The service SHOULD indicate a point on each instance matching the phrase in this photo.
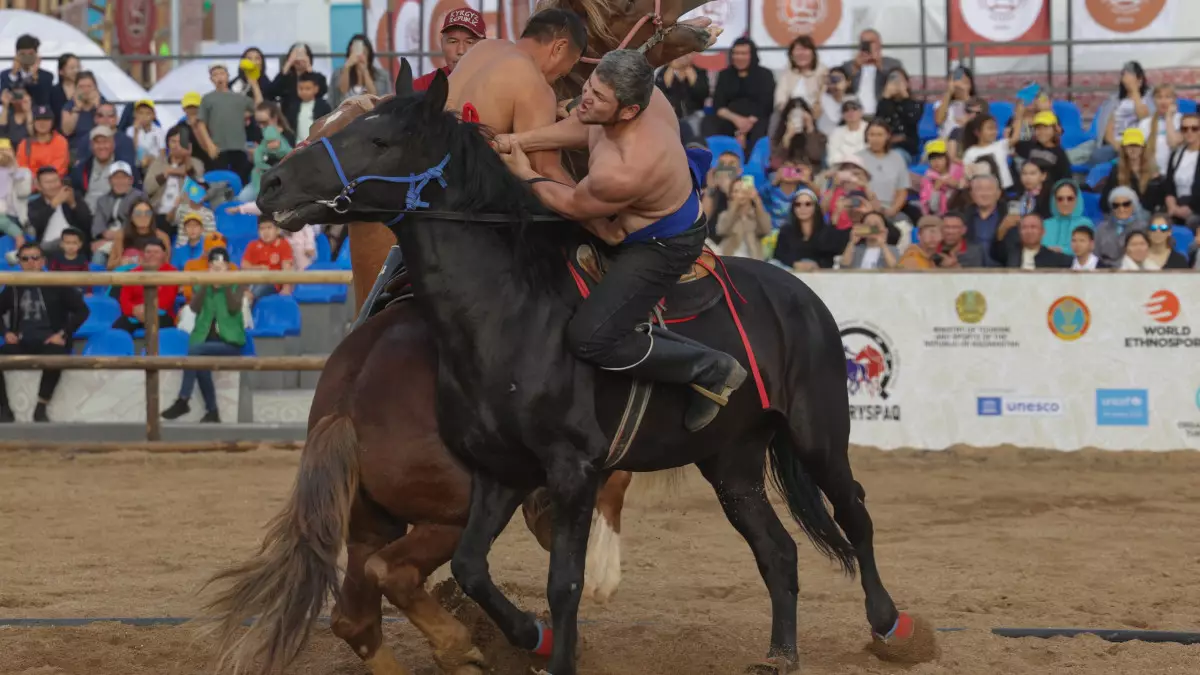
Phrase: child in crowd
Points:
(940, 181)
(268, 153)
(269, 252)
(192, 246)
(149, 139)
(69, 257)
(1046, 146)
(1035, 195)
(191, 201)
(777, 197)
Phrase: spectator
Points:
(191, 118)
(149, 139)
(16, 184)
(868, 247)
(305, 107)
(952, 111)
(299, 61)
(247, 81)
(359, 74)
(848, 192)
(165, 177)
(803, 78)
(902, 113)
(868, 70)
(1137, 251)
(219, 331)
(68, 70)
(719, 181)
(890, 179)
(27, 71)
(106, 116)
(130, 241)
(1024, 119)
(1035, 193)
(268, 252)
(983, 216)
(79, 114)
(68, 258)
(1125, 215)
(38, 320)
(461, 29)
(194, 244)
(1162, 251)
(956, 251)
(941, 180)
(1136, 168)
(1083, 243)
(837, 86)
(1168, 119)
(850, 138)
(1022, 247)
(212, 240)
(91, 174)
(1132, 102)
(133, 298)
(980, 140)
(806, 242)
(268, 153)
(269, 114)
(686, 87)
(192, 201)
(1046, 147)
(1067, 214)
(926, 255)
(304, 245)
(796, 136)
(744, 96)
(741, 227)
(58, 207)
(46, 147)
(954, 141)
(16, 116)
(112, 210)
(1183, 172)
(221, 128)
(777, 197)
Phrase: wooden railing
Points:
(152, 363)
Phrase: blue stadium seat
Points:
(109, 342)
(237, 247)
(228, 177)
(720, 144)
(1091, 207)
(927, 128)
(1187, 106)
(313, 293)
(1098, 173)
(276, 316)
(760, 159)
(7, 244)
(236, 224)
(324, 250)
(102, 312)
(343, 256)
(172, 342)
(1071, 121)
(248, 348)
(1183, 239)
(1002, 111)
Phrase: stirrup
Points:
(720, 399)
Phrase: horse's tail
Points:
(282, 589)
(806, 503)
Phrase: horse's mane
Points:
(599, 14)
(482, 184)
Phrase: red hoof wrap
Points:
(545, 643)
(903, 629)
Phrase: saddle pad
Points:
(695, 293)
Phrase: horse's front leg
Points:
(573, 483)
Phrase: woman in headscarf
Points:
(1125, 215)
(1066, 214)
(744, 96)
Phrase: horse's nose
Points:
(271, 182)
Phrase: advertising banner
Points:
(1057, 361)
(990, 23)
(136, 21)
(1116, 19)
(778, 22)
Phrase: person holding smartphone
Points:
(868, 70)
(359, 74)
(26, 70)
(868, 248)
(742, 226)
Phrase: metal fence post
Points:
(153, 425)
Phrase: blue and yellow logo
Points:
(1069, 318)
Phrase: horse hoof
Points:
(776, 665)
(911, 640)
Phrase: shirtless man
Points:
(507, 84)
(641, 193)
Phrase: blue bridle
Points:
(416, 183)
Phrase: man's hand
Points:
(11, 338)
(502, 143)
(212, 149)
(68, 196)
(949, 260)
(57, 339)
(517, 161)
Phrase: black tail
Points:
(806, 503)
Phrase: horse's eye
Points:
(379, 143)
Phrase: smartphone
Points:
(796, 117)
(865, 46)
(959, 73)
(1014, 208)
(748, 181)
(358, 48)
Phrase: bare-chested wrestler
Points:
(641, 194)
(507, 84)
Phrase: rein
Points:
(659, 33)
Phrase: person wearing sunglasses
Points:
(1162, 246)
(1135, 168)
(807, 241)
(1183, 173)
(1066, 211)
(1125, 215)
(38, 320)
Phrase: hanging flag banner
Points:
(778, 22)
(1116, 19)
(988, 24)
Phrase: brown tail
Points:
(282, 589)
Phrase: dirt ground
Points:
(966, 538)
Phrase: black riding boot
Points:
(713, 374)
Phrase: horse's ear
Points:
(436, 95)
(404, 78)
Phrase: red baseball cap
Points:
(465, 17)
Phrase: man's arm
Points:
(606, 191)
(567, 134)
(535, 115)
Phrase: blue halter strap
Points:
(416, 183)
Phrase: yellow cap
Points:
(935, 147)
(5, 144)
(143, 102)
(249, 68)
(1045, 119)
(191, 100)
(1133, 136)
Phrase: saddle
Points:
(695, 293)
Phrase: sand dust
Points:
(965, 538)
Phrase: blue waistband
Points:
(684, 218)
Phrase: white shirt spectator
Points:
(1185, 173)
(1162, 150)
(844, 142)
(866, 89)
(148, 143)
(1091, 264)
(998, 151)
(304, 119)
(831, 114)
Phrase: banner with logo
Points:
(990, 23)
(135, 22)
(778, 22)
(1058, 361)
(1116, 19)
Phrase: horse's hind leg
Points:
(400, 570)
(357, 617)
(737, 477)
(602, 575)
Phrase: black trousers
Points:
(602, 331)
(236, 161)
(130, 324)
(49, 377)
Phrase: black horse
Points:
(521, 412)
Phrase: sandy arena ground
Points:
(966, 538)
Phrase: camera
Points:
(937, 258)
(865, 46)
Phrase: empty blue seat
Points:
(230, 178)
(109, 342)
(343, 256)
(1187, 106)
(720, 144)
(172, 342)
(1098, 173)
(102, 312)
(248, 348)
(1071, 121)
(1002, 111)
(236, 245)
(324, 250)
(927, 128)
(276, 316)
(7, 244)
(1091, 207)
(1183, 239)
(320, 292)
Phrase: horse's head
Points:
(323, 182)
